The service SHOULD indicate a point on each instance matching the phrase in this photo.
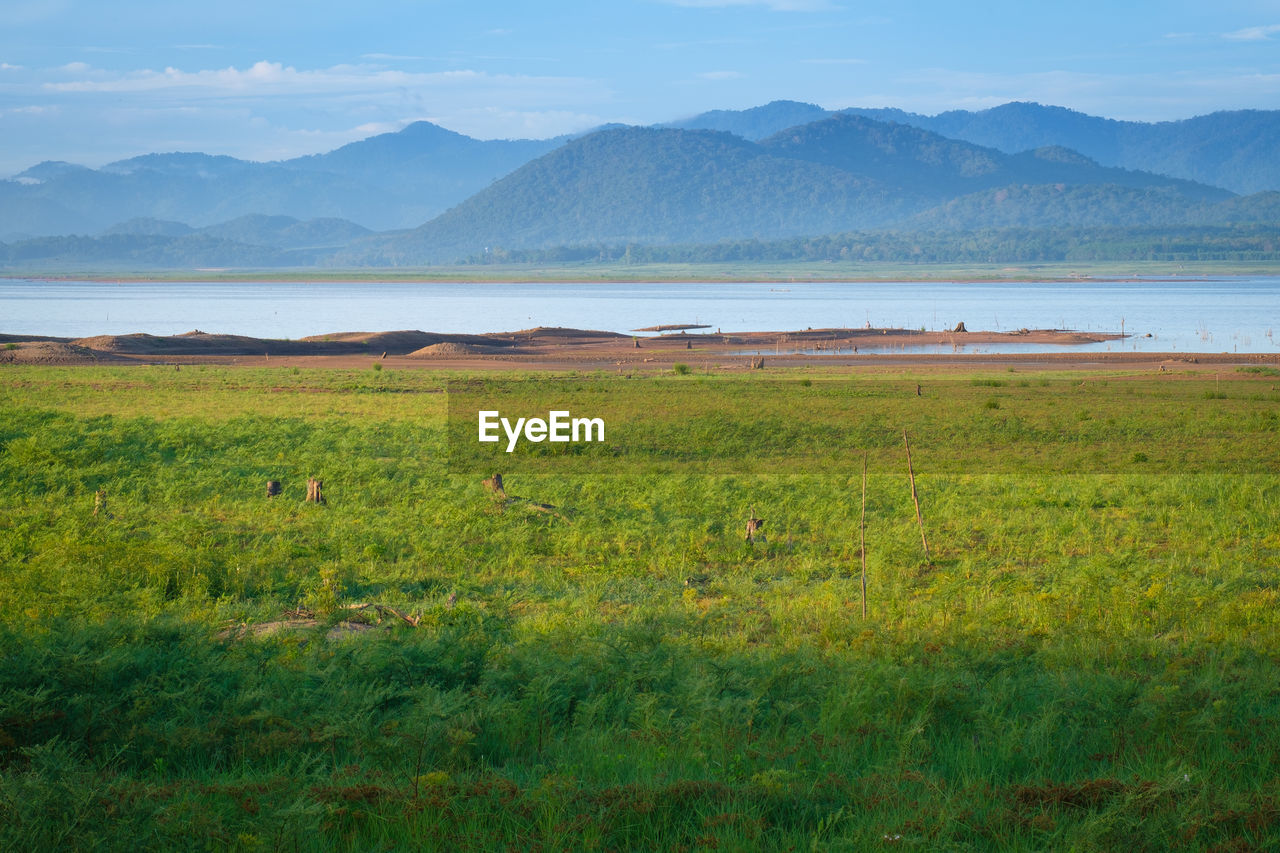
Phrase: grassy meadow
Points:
(1088, 658)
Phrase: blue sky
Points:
(91, 82)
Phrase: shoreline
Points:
(716, 272)
(550, 349)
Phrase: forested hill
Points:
(1238, 150)
(651, 186)
(779, 171)
(656, 186)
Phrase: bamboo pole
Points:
(862, 531)
(914, 497)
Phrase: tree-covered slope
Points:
(649, 185)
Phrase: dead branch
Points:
(385, 610)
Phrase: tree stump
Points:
(494, 484)
(757, 364)
(313, 490)
(273, 488)
(754, 527)
(959, 327)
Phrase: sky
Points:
(91, 82)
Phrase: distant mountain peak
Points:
(756, 122)
(47, 169)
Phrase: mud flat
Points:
(555, 348)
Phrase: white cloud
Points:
(273, 79)
(1253, 33)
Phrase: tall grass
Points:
(1086, 662)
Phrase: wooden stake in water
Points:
(862, 530)
(914, 497)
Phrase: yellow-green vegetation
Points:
(1087, 659)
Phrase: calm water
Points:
(1223, 315)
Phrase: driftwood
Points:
(302, 619)
(494, 484)
(862, 535)
(386, 610)
(273, 488)
(915, 498)
(313, 490)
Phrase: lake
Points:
(1231, 314)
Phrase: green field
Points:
(1086, 659)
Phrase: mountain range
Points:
(782, 170)
(1235, 150)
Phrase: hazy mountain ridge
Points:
(1237, 150)
(833, 172)
(389, 181)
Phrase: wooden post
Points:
(273, 488)
(313, 490)
(914, 497)
(494, 484)
(862, 535)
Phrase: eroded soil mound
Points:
(46, 352)
(458, 348)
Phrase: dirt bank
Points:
(582, 349)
